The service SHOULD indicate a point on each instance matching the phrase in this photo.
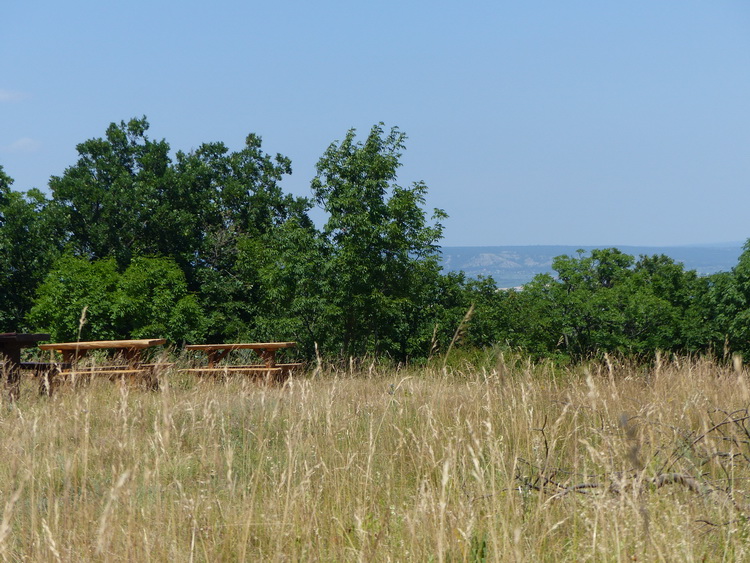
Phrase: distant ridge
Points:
(511, 266)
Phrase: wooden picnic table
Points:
(10, 347)
(265, 350)
(129, 350)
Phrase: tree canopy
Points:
(383, 252)
(134, 240)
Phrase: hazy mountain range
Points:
(511, 266)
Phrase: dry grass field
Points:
(512, 462)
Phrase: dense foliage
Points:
(206, 246)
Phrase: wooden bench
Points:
(132, 370)
(40, 368)
(145, 377)
(107, 370)
(278, 373)
(269, 370)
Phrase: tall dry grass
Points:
(516, 463)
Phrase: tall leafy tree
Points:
(591, 296)
(729, 298)
(673, 306)
(229, 195)
(606, 301)
(384, 253)
(110, 198)
(28, 246)
(236, 203)
(289, 265)
(125, 198)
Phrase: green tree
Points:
(110, 200)
(91, 300)
(605, 301)
(384, 258)
(125, 198)
(28, 246)
(152, 301)
(292, 296)
(729, 298)
(235, 203)
(674, 310)
(590, 294)
(77, 300)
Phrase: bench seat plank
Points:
(234, 369)
(103, 372)
(43, 366)
(254, 368)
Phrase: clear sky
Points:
(532, 122)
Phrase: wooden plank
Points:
(269, 375)
(83, 367)
(43, 366)
(21, 337)
(141, 367)
(103, 372)
(235, 369)
(104, 344)
(141, 377)
(241, 346)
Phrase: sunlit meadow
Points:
(502, 460)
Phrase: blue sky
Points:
(536, 122)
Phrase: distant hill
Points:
(511, 266)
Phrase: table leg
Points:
(215, 356)
(72, 356)
(13, 370)
(133, 357)
(268, 357)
